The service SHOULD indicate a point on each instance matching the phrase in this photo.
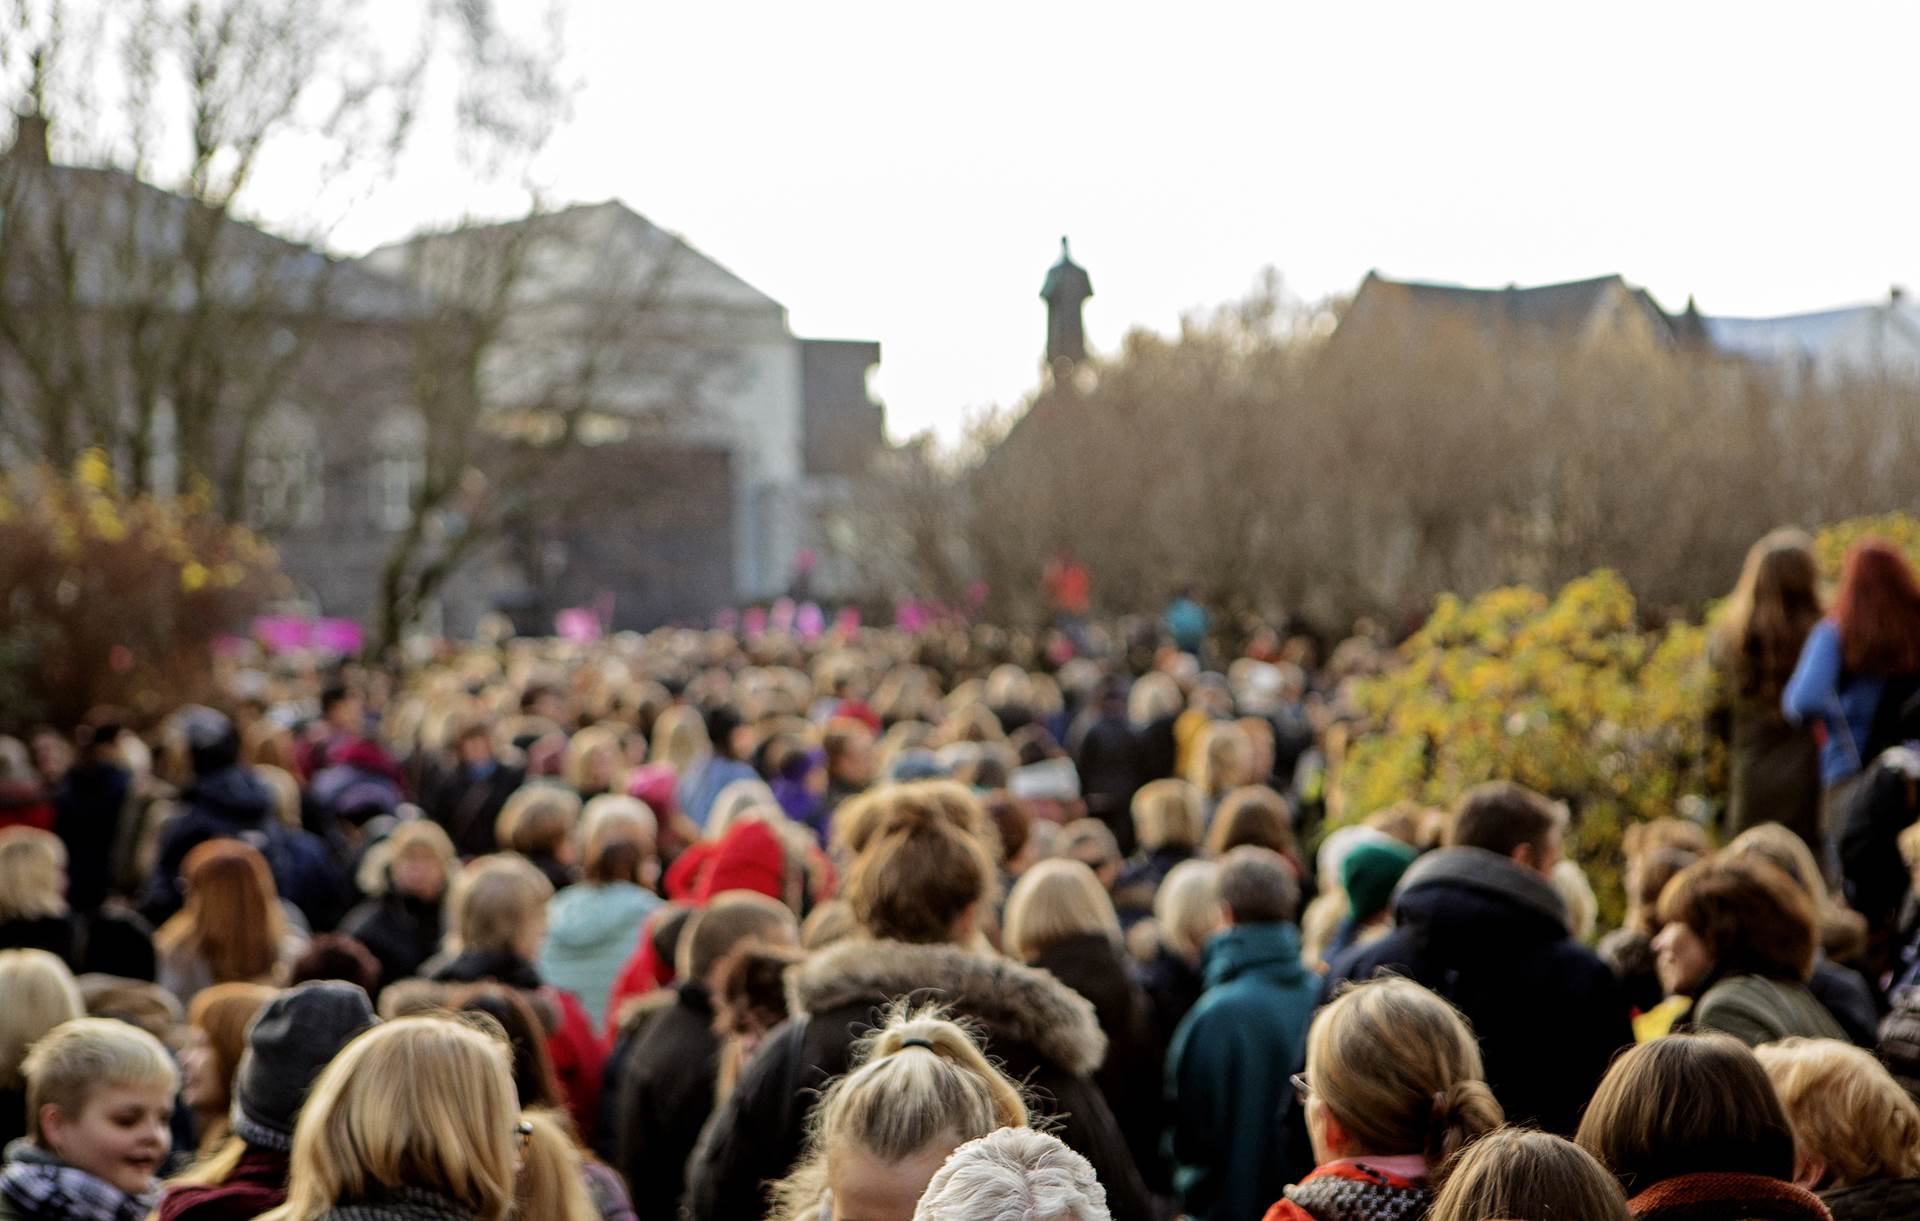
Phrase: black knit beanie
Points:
(295, 1036)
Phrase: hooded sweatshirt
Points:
(591, 931)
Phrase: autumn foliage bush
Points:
(113, 599)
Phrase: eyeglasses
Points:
(1301, 1086)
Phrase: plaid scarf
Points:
(59, 1192)
(399, 1204)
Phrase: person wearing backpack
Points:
(1859, 676)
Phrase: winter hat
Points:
(1370, 871)
(295, 1036)
(749, 858)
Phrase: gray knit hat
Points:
(294, 1037)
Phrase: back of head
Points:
(1687, 1104)
(1168, 814)
(1503, 817)
(32, 874)
(1014, 1174)
(1751, 916)
(537, 819)
(419, 1102)
(495, 899)
(1765, 621)
(1252, 814)
(621, 834)
(1848, 1113)
(533, 1080)
(730, 920)
(1516, 1174)
(1257, 886)
(1089, 841)
(1399, 1068)
(41, 994)
(1187, 908)
(80, 1056)
(922, 866)
(1878, 610)
(1053, 901)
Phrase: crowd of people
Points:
(960, 925)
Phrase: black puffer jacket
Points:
(664, 1094)
(1039, 1030)
(1874, 1201)
(1491, 936)
(402, 931)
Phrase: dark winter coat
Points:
(1228, 1069)
(1491, 936)
(1758, 1010)
(1094, 966)
(466, 803)
(1139, 882)
(1885, 803)
(88, 807)
(1106, 753)
(665, 1092)
(1874, 1201)
(106, 943)
(402, 931)
(1773, 770)
(233, 803)
(1845, 994)
(1173, 985)
(1039, 1029)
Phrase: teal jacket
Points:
(1227, 1072)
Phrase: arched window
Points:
(399, 467)
(283, 471)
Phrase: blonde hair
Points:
(1055, 900)
(1188, 909)
(80, 1056)
(1583, 909)
(1168, 814)
(410, 838)
(1251, 814)
(537, 819)
(551, 1183)
(919, 1081)
(32, 863)
(1014, 1174)
(614, 816)
(1154, 697)
(1845, 1109)
(415, 1102)
(41, 994)
(285, 789)
(745, 800)
(1400, 1069)
(495, 899)
(679, 737)
(1222, 760)
(580, 752)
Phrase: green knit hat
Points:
(1370, 872)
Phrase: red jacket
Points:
(579, 1058)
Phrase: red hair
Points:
(1878, 611)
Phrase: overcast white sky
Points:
(903, 171)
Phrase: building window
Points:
(399, 468)
(283, 472)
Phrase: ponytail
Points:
(943, 1039)
(551, 1182)
(1463, 1111)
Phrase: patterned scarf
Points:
(59, 1192)
(400, 1204)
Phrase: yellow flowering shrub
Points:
(111, 599)
(1568, 695)
(1830, 545)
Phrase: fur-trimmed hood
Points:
(1012, 1001)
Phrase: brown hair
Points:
(1252, 814)
(1687, 1104)
(922, 866)
(1759, 631)
(232, 917)
(1648, 875)
(537, 819)
(533, 1076)
(222, 1013)
(1751, 916)
(1501, 816)
(1399, 1068)
(730, 920)
(1516, 1174)
(1846, 1110)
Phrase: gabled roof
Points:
(576, 249)
(127, 235)
(1566, 307)
(1811, 334)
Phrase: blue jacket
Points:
(1819, 691)
(1227, 1072)
(591, 932)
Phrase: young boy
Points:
(99, 1100)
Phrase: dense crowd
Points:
(959, 924)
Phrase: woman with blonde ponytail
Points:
(1393, 1089)
(415, 1120)
(878, 1134)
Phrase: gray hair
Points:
(1257, 886)
(1014, 1174)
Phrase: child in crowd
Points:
(99, 1105)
